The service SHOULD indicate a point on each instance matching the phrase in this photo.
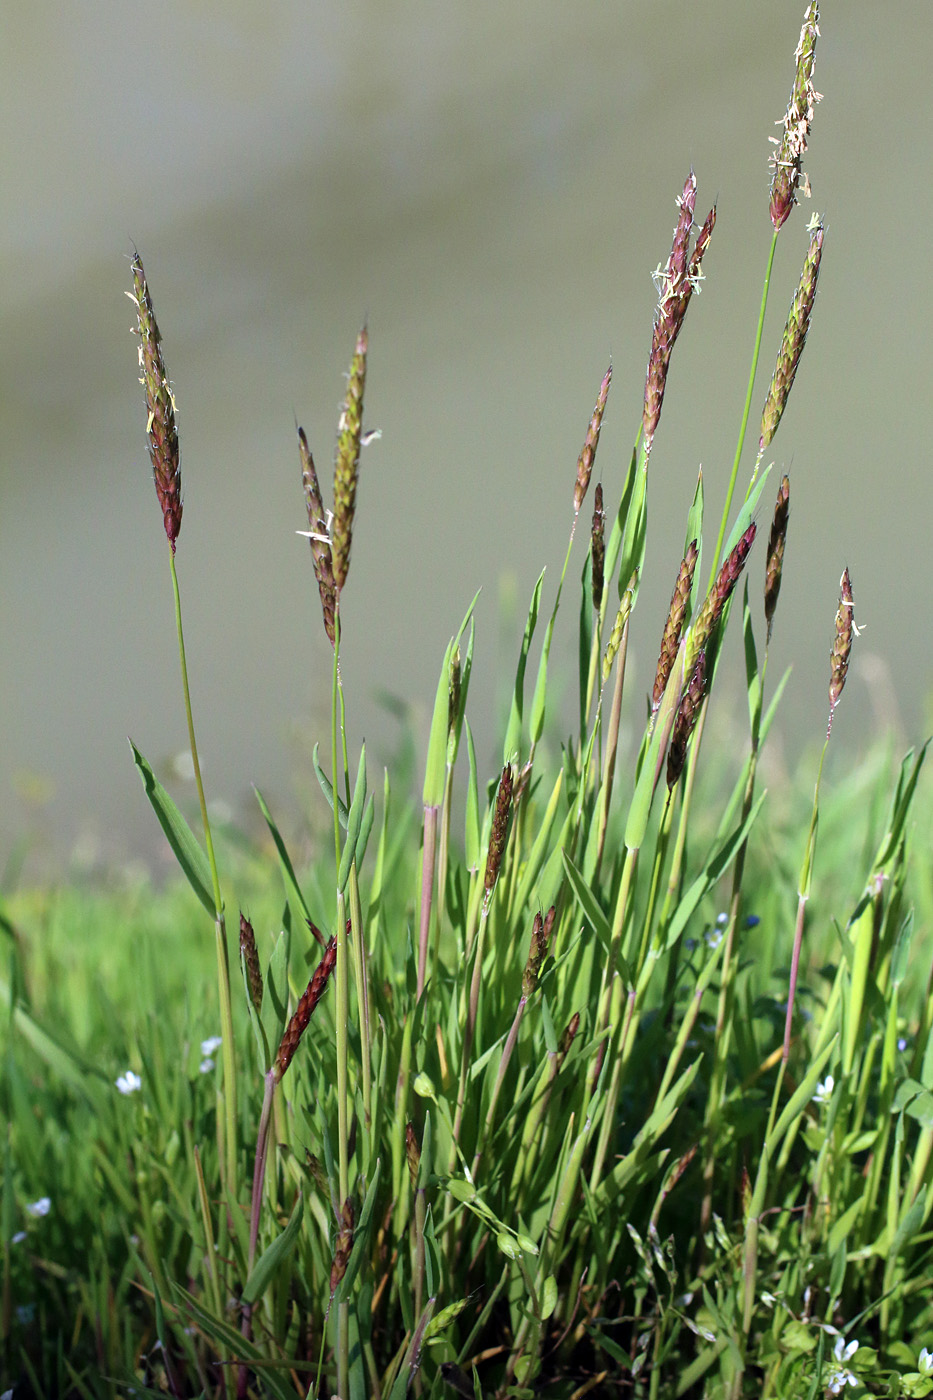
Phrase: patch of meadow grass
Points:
(590, 1074)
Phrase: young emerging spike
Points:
(674, 625)
(598, 547)
(250, 956)
(344, 1245)
(719, 595)
(540, 937)
(684, 722)
(318, 536)
(500, 826)
(776, 543)
(412, 1154)
(591, 442)
(160, 401)
(347, 461)
(304, 1011)
(676, 284)
(615, 636)
(787, 160)
(842, 646)
(794, 338)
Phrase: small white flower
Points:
(840, 1376)
(212, 1043)
(40, 1207)
(824, 1092)
(129, 1083)
(206, 1066)
(843, 1351)
(17, 1239)
(925, 1362)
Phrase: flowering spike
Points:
(676, 285)
(344, 1245)
(500, 826)
(250, 958)
(842, 646)
(787, 160)
(776, 544)
(318, 536)
(618, 627)
(160, 401)
(719, 595)
(304, 1011)
(591, 442)
(685, 720)
(794, 338)
(673, 627)
(347, 461)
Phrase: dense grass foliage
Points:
(597, 1073)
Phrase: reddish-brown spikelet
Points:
(598, 547)
(250, 958)
(318, 535)
(685, 721)
(500, 826)
(304, 1010)
(787, 160)
(719, 595)
(673, 627)
(160, 401)
(569, 1035)
(344, 1245)
(676, 285)
(591, 442)
(347, 461)
(776, 544)
(540, 936)
(412, 1154)
(793, 340)
(842, 646)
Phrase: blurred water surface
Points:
(491, 186)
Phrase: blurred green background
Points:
(491, 185)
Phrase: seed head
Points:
(250, 958)
(591, 442)
(787, 160)
(318, 536)
(304, 1010)
(676, 284)
(344, 1245)
(719, 595)
(500, 826)
(674, 625)
(842, 646)
(412, 1154)
(792, 343)
(618, 627)
(540, 937)
(685, 721)
(776, 543)
(569, 1035)
(160, 401)
(347, 461)
(598, 546)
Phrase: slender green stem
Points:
(717, 557)
(223, 963)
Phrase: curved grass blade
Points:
(189, 854)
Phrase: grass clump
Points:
(536, 1090)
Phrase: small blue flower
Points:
(212, 1043)
(129, 1083)
(40, 1207)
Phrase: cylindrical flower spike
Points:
(500, 826)
(344, 1245)
(792, 343)
(673, 627)
(598, 547)
(569, 1035)
(160, 427)
(615, 636)
(304, 1010)
(718, 596)
(250, 956)
(347, 461)
(318, 536)
(676, 285)
(842, 646)
(412, 1154)
(776, 544)
(591, 442)
(540, 937)
(787, 160)
(685, 721)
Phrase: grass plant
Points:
(535, 1087)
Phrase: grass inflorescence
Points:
(582, 1076)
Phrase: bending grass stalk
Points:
(341, 1012)
(229, 1089)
